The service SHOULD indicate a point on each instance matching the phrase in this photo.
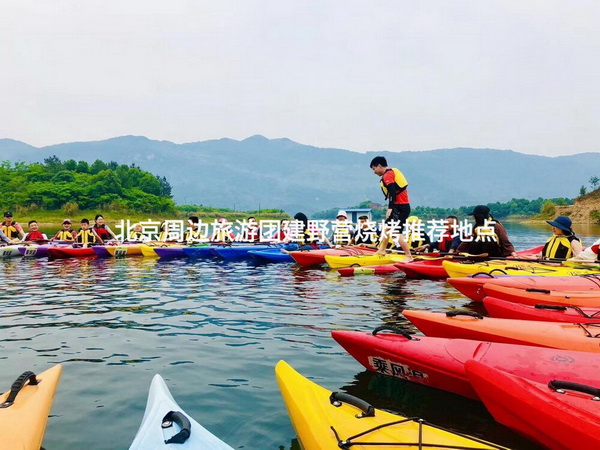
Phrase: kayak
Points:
(148, 250)
(506, 267)
(535, 296)
(439, 362)
(432, 268)
(165, 421)
(10, 251)
(23, 422)
(470, 325)
(201, 250)
(171, 251)
(271, 255)
(34, 251)
(317, 257)
(70, 252)
(503, 309)
(101, 251)
(338, 262)
(120, 251)
(325, 420)
(556, 414)
(368, 270)
(472, 287)
(239, 252)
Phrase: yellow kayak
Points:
(321, 424)
(506, 267)
(23, 422)
(119, 251)
(337, 262)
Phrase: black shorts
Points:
(399, 214)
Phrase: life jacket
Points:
(10, 231)
(446, 243)
(34, 236)
(136, 236)
(102, 232)
(64, 235)
(559, 247)
(414, 243)
(366, 236)
(86, 236)
(399, 181)
(342, 236)
(485, 242)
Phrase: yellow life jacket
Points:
(559, 246)
(400, 180)
(136, 236)
(86, 236)
(64, 236)
(10, 231)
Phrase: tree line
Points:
(71, 184)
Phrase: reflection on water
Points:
(214, 330)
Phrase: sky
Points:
(361, 75)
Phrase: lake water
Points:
(214, 330)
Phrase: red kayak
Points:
(472, 287)
(503, 309)
(423, 269)
(555, 413)
(583, 337)
(70, 252)
(367, 270)
(308, 258)
(439, 362)
(535, 296)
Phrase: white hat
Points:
(341, 212)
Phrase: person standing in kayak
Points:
(394, 187)
(489, 236)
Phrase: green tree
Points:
(582, 191)
(594, 181)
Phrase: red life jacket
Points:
(102, 232)
(34, 236)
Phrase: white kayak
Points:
(10, 251)
(166, 426)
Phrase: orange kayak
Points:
(543, 296)
(470, 325)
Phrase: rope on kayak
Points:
(349, 442)
(593, 278)
(584, 327)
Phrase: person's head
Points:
(284, 224)
(66, 224)
(8, 217)
(363, 221)
(252, 220)
(451, 222)
(480, 213)
(99, 220)
(561, 225)
(193, 221)
(302, 218)
(341, 215)
(222, 222)
(137, 228)
(33, 225)
(85, 224)
(379, 165)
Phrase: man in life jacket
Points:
(489, 236)
(563, 244)
(394, 187)
(66, 234)
(12, 229)
(366, 234)
(34, 233)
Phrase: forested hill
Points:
(74, 185)
(279, 173)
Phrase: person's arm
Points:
(507, 248)
(3, 237)
(111, 232)
(576, 247)
(98, 239)
(19, 228)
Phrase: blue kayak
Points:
(240, 252)
(271, 255)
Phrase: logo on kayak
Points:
(387, 367)
(562, 359)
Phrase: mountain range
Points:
(263, 173)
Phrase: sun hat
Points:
(562, 222)
(481, 210)
(342, 213)
(412, 219)
(66, 221)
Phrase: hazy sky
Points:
(362, 75)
